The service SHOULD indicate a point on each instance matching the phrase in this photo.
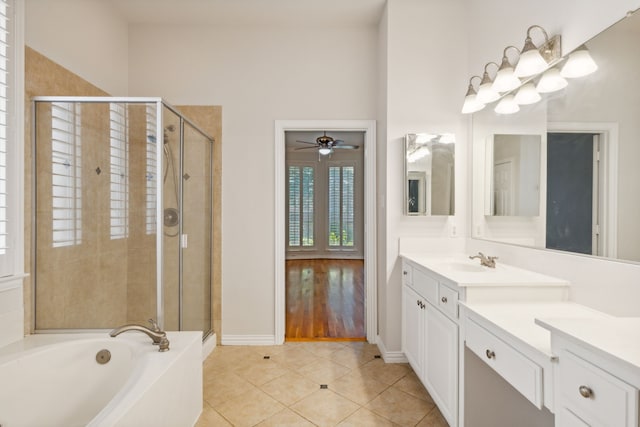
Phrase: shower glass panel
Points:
(197, 230)
(119, 183)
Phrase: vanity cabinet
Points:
(430, 336)
(587, 395)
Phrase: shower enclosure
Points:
(122, 225)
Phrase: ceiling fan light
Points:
(551, 81)
(579, 64)
(324, 151)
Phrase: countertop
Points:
(465, 272)
(616, 338)
(519, 320)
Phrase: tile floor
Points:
(282, 386)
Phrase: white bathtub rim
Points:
(153, 365)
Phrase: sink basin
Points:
(466, 267)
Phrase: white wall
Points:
(87, 37)
(258, 74)
(426, 63)
(605, 285)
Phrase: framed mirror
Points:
(429, 164)
(513, 162)
(589, 151)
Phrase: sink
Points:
(465, 267)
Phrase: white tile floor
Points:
(281, 386)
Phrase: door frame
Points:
(608, 171)
(370, 296)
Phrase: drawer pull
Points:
(444, 300)
(490, 354)
(585, 391)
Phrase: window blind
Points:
(66, 178)
(341, 206)
(301, 206)
(152, 163)
(119, 162)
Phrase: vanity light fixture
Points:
(471, 103)
(486, 93)
(579, 64)
(527, 94)
(534, 60)
(507, 105)
(506, 80)
(551, 81)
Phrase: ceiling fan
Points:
(325, 144)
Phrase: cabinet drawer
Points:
(566, 418)
(594, 394)
(448, 300)
(407, 274)
(426, 286)
(519, 371)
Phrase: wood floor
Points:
(325, 300)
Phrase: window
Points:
(152, 164)
(66, 179)
(341, 206)
(119, 196)
(301, 206)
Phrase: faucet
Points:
(158, 336)
(487, 261)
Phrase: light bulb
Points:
(527, 94)
(551, 81)
(579, 64)
(507, 105)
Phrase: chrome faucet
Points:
(487, 261)
(159, 337)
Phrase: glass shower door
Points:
(197, 231)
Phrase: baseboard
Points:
(390, 356)
(208, 345)
(248, 340)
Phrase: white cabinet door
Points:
(441, 362)
(413, 329)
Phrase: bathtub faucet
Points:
(159, 337)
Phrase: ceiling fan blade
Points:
(338, 141)
(348, 147)
(306, 142)
(305, 148)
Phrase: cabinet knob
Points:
(405, 273)
(444, 300)
(491, 354)
(418, 302)
(585, 391)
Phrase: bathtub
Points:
(52, 380)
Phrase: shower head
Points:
(169, 128)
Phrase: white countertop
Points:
(466, 272)
(519, 320)
(612, 337)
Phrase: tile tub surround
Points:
(243, 388)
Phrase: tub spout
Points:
(158, 337)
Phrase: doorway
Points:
(339, 238)
(324, 235)
(581, 213)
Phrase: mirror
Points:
(429, 174)
(514, 164)
(589, 151)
